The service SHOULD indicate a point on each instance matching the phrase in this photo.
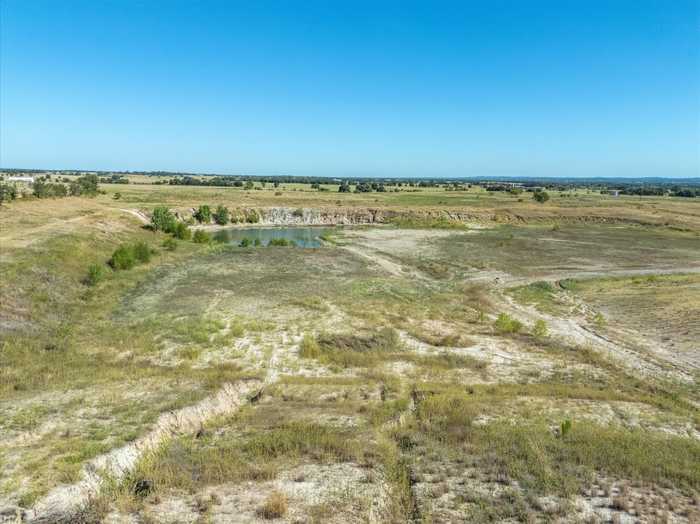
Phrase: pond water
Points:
(301, 236)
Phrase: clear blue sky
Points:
(404, 88)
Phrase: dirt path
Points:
(138, 214)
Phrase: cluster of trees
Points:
(367, 187)
(114, 179)
(676, 191)
(85, 185)
(221, 181)
(164, 220)
(222, 216)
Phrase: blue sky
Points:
(530, 88)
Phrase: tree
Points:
(540, 196)
(7, 192)
(85, 185)
(163, 219)
(221, 215)
(203, 214)
(248, 185)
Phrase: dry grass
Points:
(274, 507)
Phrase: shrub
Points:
(95, 274)
(507, 324)
(117, 196)
(540, 329)
(142, 252)
(123, 258)
(299, 212)
(540, 196)
(565, 427)
(163, 219)
(309, 348)
(7, 192)
(252, 216)
(257, 242)
(599, 320)
(170, 244)
(181, 231)
(281, 242)
(203, 214)
(221, 215)
(201, 237)
(275, 506)
(245, 242)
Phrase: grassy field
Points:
(430, 370)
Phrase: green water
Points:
(301, 236)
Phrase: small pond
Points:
(300, 236)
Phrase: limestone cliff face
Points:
(280, 216)
(334, 216)
(290, 216)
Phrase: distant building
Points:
(25, 179)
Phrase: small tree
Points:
(7, 192)
(540, 196)
(203, 214)
(221, 215)
(163, 219)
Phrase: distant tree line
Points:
(85, 185)
(114, 179)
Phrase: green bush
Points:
(181, 231)
(163, 219)
(245, 242)
(95, 274)
(281, 242)
(540, 329)
(507, 324)
(142, 252)
(221, 215)
(565, 427)
(123, 258)
(201, 237)
(203, 214)
(540, 196)
(170, 244)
